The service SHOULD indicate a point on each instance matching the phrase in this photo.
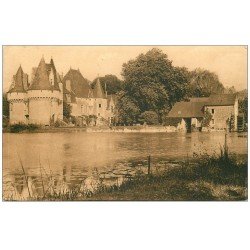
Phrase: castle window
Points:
(212, 111)
(100, 105)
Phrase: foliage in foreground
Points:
(209, 178)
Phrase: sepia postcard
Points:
(125, 123)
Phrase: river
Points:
(75, 155)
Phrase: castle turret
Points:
(100, 101)
(98, 90)
(45, 97)
(17, 97)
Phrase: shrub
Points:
(150, 117)
(66, 110)
(58, 123)
(32, 127)
(19, 127)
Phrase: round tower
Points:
(18, 102)
(44, 95)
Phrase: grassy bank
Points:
(204, 179)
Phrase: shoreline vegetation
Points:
(203, 177)
(33, 128)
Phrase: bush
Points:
(19, 127)
(66, 110)
(32, 127)
(150, 118)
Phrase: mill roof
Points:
(187, 110)
(79, 85)
(194, 107)
(221, 100)
(19, 79)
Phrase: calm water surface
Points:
(75, 155)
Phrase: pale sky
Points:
(229, 62)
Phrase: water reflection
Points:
(88, 159)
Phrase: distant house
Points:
(188, 115)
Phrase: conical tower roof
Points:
(98, 90)
(18, 82)
(41, 79)
(51, 67)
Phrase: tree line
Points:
(150, 87)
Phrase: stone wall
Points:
(18, 112)
(220, 116)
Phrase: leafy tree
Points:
(6, 111)
(203, 83)
(111, 82)
(230, 90)
(128, 111)
(66, 110)
(153, 83)
(149, 117)
(243, 104)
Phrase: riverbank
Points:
(95, 129)
(201, 178)
(98, 129)
(206, 179)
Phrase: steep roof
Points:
(18, 82)
(187, 110)
(221, 100)
(98, 90)
(79, 85)
(41, 74)
(51, 67)
(199, 99)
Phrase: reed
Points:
(25, 176)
